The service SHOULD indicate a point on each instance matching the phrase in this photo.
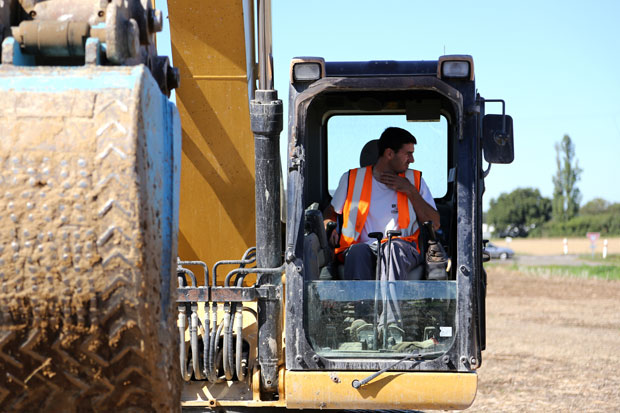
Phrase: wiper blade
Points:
(412, 356)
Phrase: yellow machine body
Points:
(217, 171)
(392, 390)
(333, 390)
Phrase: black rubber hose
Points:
(226, 348)
(212, 353)
(206, 341)
(239, 345)
(243, 261)
(231, 348)
(193, 331)
(212, 345)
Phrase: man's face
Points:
(400, 160)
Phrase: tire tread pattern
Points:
(78, 317)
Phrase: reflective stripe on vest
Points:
(357, 205)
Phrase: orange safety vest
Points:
(357, 205)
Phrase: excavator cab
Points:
(369, 330)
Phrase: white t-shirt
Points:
(383, 212)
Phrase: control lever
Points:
(432, 235)
(391, 233)
(378, 236)
(329, 228)
(438, 263)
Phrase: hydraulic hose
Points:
(239, 363)
(186, 373)
(191, 275)
(202, 264)
(193, 331)
(206, 341)
(227, 344)
(254, 270)
(213, 352)
(211, 338)
(231, 342)
(249, 257)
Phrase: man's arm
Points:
(329, 215)
(423, 210)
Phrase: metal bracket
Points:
(473, 110)
(228, 294)
(12, 54)
(92, 51)
(192, 294)
(484, 101)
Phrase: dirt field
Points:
(552, 345)
(555, 246)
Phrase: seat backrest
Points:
(369, 153)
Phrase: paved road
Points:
(547, 260)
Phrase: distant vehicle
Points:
(514, 232)
(499, 252)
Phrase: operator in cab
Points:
(378, 198)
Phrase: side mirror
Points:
(497, 139)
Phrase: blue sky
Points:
(555, 63)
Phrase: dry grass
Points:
(555, 246)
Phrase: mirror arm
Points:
(485, 172)
(503, 112)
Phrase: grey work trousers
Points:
(359, 264)
(360, 260)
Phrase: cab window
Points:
(347, 135)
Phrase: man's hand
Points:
(329, 215)
(423, 210)
(333, 239)
(396, 182)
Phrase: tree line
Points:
(525, 212)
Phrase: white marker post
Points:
(604, 249)
(565, 246)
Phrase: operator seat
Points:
(317, 252)
(369, 153)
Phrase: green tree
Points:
(614, 209)
(518, 212)
(566, 195)
(594, 207)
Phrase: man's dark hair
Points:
(394, 138)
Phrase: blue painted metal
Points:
(61, 79)
(18, 58)
(162, 128)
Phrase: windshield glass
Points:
(347, 135)
(347, 318)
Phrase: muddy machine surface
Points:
(90, 152)
(148, 261)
